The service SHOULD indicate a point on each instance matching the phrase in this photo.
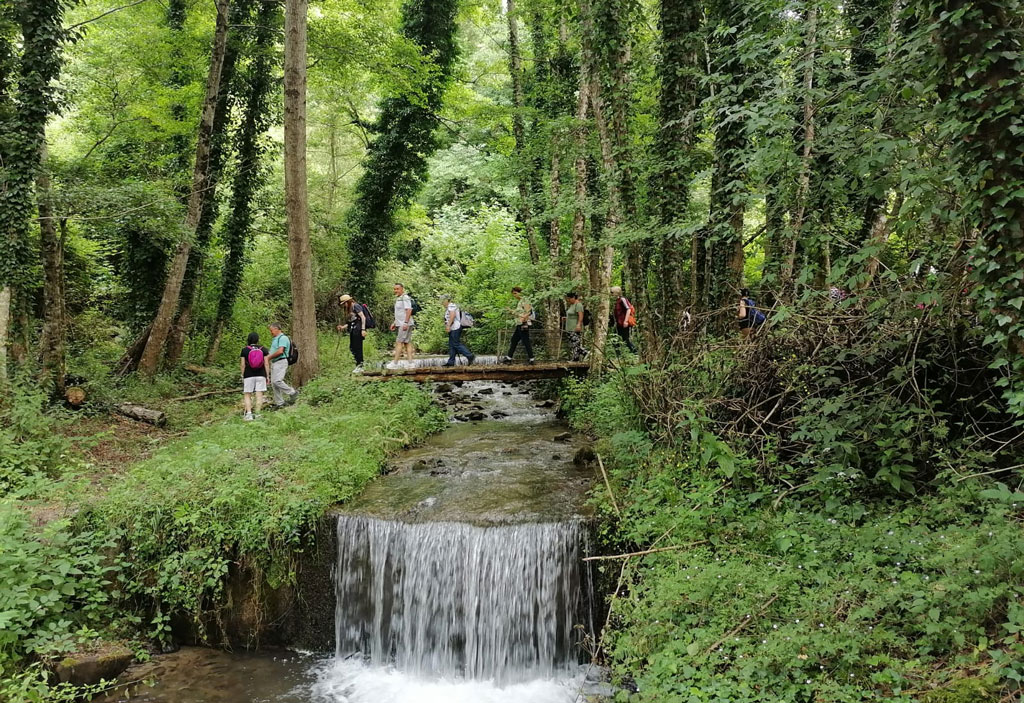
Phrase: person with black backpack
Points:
(282, 351)
(750, 318)
(255, 372)
(357, 320)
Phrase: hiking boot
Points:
(506, 359)
(470, 359)
(247, 417)
(358, 369)
(447, 365)
(531, 361)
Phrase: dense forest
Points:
(848, 478)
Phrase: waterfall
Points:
(456, 600)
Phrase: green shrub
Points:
(55, 586)
(33, 447)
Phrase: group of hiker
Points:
(262, 367)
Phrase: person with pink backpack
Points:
(255, 372)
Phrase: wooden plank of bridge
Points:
(482, 372)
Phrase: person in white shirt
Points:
(403, 324)
(453, 326)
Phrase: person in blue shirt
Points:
(280, 347)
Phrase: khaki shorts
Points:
(255, 384)
(404, 336)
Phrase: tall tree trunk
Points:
(806, 159)
(250, 172)
(211, 203)
(5, 329)
(680, 71)
(300, 251)
(601, 282)
(51, 343)
(515, 66)
(161, 326)
(578, 268)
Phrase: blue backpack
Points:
(756, 317)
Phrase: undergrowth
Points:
(831, 536)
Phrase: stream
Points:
(459, 578)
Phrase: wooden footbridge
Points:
(480, 372)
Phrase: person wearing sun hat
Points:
(355, 320)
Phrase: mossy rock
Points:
(972, 690)
(101, 662)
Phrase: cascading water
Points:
(455, 600)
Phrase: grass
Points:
(251, 490)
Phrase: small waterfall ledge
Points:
(453, 600)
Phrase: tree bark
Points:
(51, 343)
(602, 280)
(515, 66)
(881, 228)
(788, 271)
(300, 252)
(176, 273)
(578, 268)
(680, 71)
(5, 327)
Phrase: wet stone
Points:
(87, 668)
(563, 437)
(443, 388)
(486, 391)
(584, 456)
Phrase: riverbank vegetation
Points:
(856, 165)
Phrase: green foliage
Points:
(56, 585)
(396, 159)
(250, 491)
(778, 596)
(33, 447)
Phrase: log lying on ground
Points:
(75, 395)
(142, 414)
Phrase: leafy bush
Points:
(32, 448)
(54, 586)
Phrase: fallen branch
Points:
(608, 485)
(142, 414)
(204, 394)
(743, 625)
(646, 551)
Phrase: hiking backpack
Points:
(293, 353)
(630, 313)
(756, 317)
(255, 357)
(371, 324)
(588, 319)
(467, 320)
(415, 305)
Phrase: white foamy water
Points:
(352, 681)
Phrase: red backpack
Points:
(255, 358)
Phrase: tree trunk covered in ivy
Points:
(618, 182)
(180, 145)
(296, 193)
(27, 100)
(578, 269)
(679, 70)
(523, 161)
(161, 326)
(981, 72)
(396, 163)
(51, 341)
(803, 192)
(255, 85)
(241, 17)
(728, 181)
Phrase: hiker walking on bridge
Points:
(403, 324)
(453, 325)
(625, 317)
(524, 317)
(574, 314)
